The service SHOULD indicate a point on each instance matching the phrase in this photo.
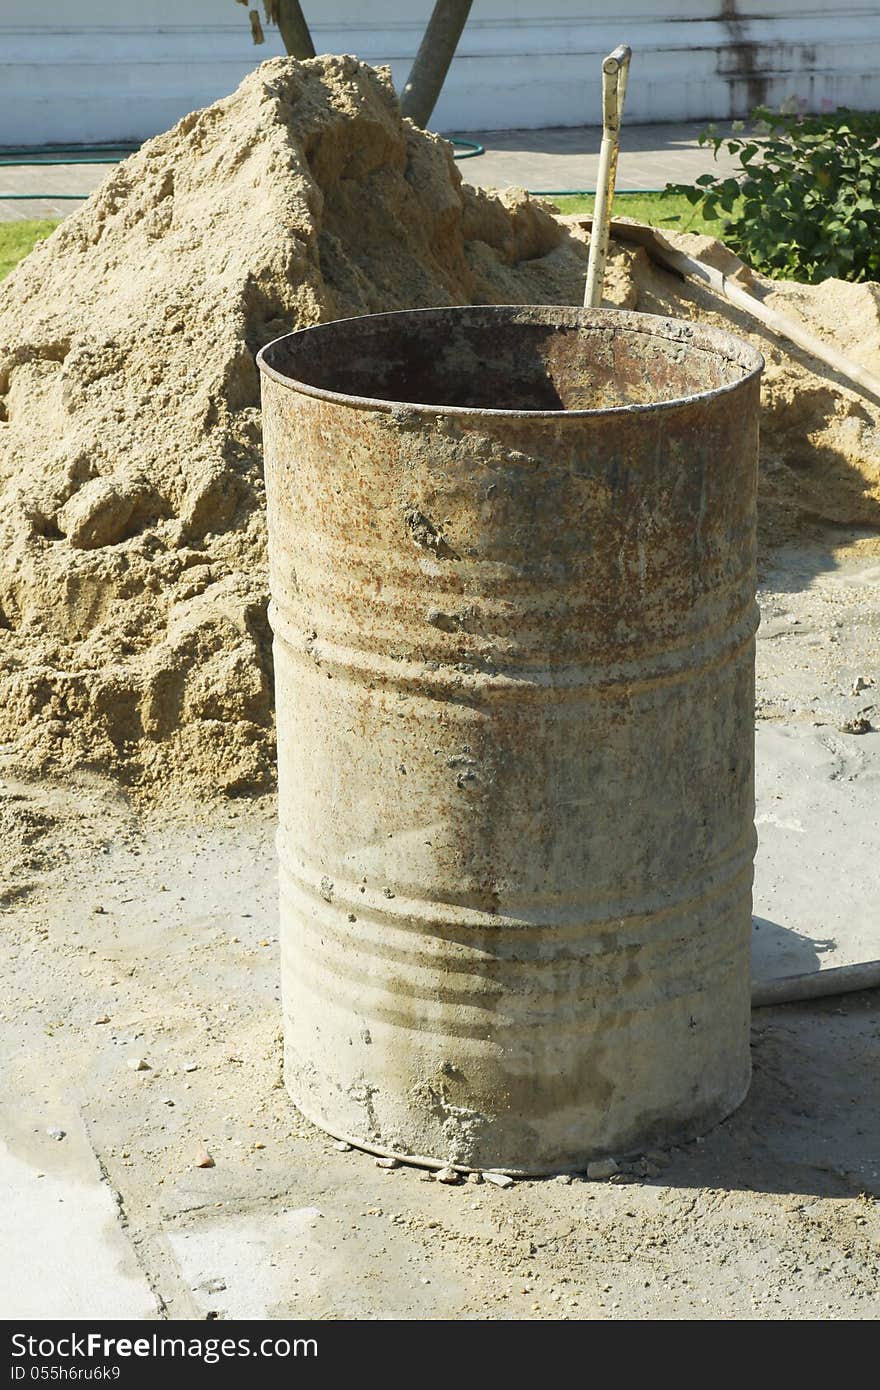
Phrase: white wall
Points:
(85, 70)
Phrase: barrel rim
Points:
(706, 337)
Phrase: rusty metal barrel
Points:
(512, 558)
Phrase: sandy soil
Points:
(132, 935)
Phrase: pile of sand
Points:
(133, 632)
(820, 437)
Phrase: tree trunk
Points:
(432, 61)
(291, 22)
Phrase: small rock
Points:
(602, 1169)
(103, 1018)
(342, 1146)
(387, 1162)
(138, 1064)
(99, 911)
(203, 1159)
(861, 683)
(448, 1175)
(859, 725)
(657, 1157)
(475, 1177)
(212, 1285)
(56, 1133)
(103, 512)
(565, 1178)
(166, 1100)
(190, 1066)
(497, 1179)
(259, 1144)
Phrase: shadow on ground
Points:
(811, 1121)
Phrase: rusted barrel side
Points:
(514, 668)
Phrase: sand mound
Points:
(133, 633)
(820, 438)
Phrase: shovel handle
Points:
(615, 72)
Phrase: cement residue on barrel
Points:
(513, 569)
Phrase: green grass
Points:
(17, 238)
(658, 209)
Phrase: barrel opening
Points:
(545, 359)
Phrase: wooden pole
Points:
(615, 71)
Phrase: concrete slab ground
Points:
(153, 939)
(63, 1251)
(817, 874)
(650, 157)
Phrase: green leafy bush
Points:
(805, 202)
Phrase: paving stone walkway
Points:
(552, 160)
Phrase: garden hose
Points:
(18, 151)
(12, 158)
(586, 192)
(469, 149)
(52, 163)
(113, 154)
